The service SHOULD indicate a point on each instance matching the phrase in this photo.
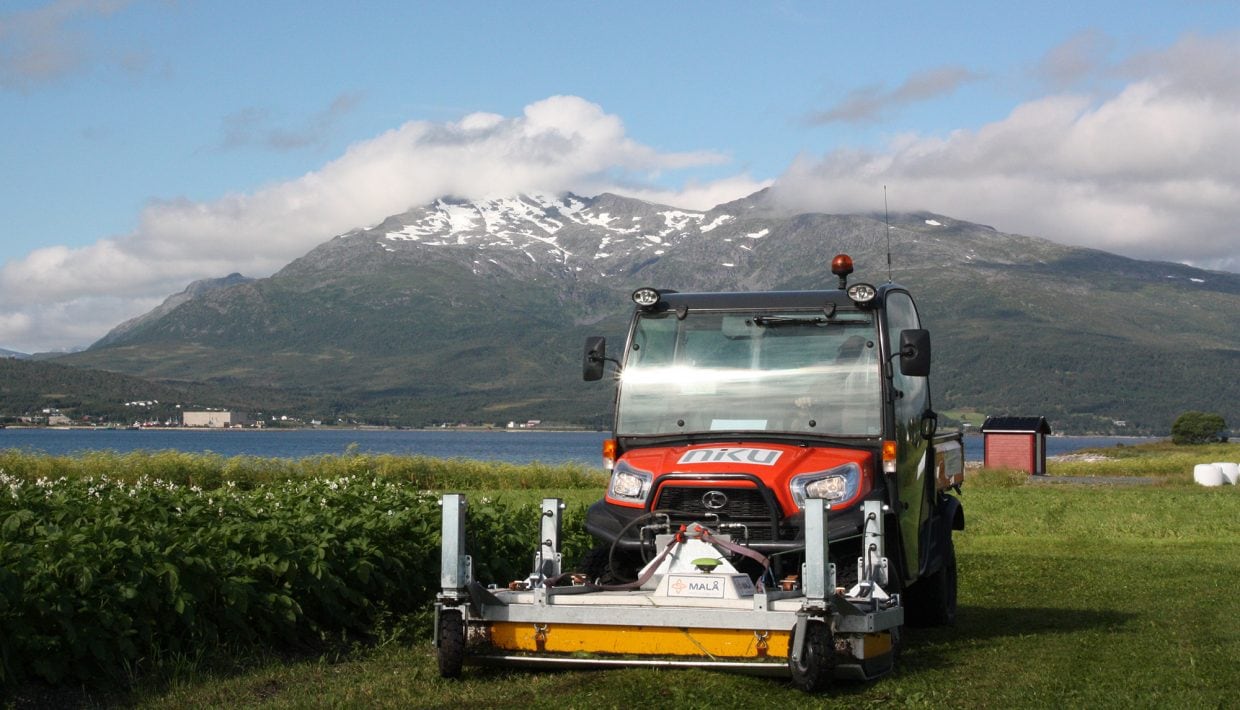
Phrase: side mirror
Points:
(594, 359)
(929, 424)
(915, 352)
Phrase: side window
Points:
(902, 315)
(654, 343)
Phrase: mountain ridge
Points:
(461, 310)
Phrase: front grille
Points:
(744, 505)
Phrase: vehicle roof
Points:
(762, 299)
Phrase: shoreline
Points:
(1119, 439)
(463, 430)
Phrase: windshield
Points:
(779, 372)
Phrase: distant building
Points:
(215, 420)
(1016, 442)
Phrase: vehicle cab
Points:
(734, 408)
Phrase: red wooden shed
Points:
(1016, 442)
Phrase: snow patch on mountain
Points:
(553, 228)
(716, 222)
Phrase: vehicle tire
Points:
(845, 572)
(594, 562)
(599, 566)
(451, 649)
(948, 615)
(816, 669)
(932, 601)
(897, 643)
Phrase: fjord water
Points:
(550, 447)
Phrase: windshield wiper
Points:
(773, 321)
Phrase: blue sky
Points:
(148, 143)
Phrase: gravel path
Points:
(1095, 480)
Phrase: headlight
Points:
(834, 485)
(629, 484)
(862, 293)
(645, 297)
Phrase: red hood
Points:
(773, 464)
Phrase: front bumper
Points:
(607, 523)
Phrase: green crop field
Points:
(1070, 596)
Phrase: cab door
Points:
(910, 398)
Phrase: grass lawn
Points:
(1070, 596)
(1171, 464)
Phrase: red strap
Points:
(738, 549)
(645, 576)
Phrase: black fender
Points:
(951, 510)
(948, 516)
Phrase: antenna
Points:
(887, 219)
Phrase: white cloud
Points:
(57, 296)
(251, 126)
(45, 44)
(698, 196)
(1148, 171)
(1078, 59)
(868, 104)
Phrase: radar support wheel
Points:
(451, 649)
(815, 669)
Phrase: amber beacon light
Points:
(842, 266)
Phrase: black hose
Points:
(611, 553)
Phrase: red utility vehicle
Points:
(734, 408)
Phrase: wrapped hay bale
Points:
(1231, 472)
(1208, 474)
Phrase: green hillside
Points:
(451, 327)
(29, 387)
